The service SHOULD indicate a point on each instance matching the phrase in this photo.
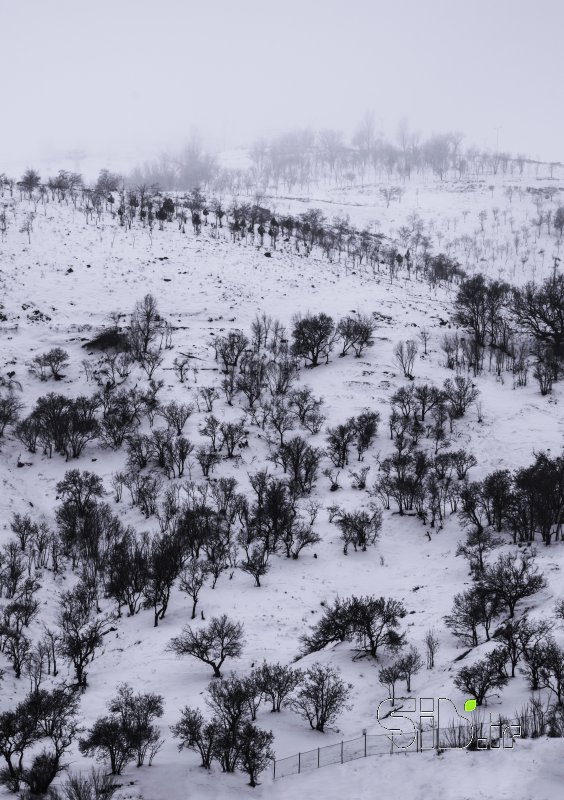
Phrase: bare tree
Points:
(432, 646)
(512, 578)
(322, 696)
(219, 640)
(313, 337)
(409, 665)
(404, 356)
(10, 408)
(424, 336)
(145, 325)
(192, 580)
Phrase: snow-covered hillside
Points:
(60, 287)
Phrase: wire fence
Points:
(341, 752)
(496, 733)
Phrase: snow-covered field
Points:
(76, 274)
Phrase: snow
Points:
(206, 286)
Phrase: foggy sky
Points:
(136, 76)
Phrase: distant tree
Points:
(472, 512)
(366, 428)
(479, 679)
(192, 580)
(208, 459)
(404, 356)
(539, 309)
(81, 632)
(56, 360)
(255, 751)
(307, 408)
(512, 578)
(145, 325)
(127, 573)
(196, 734)
(301, 461)
(181, 367)
(256, 558)
(41, 715)
(164, 564)
(478, 543)
(513, 635)
(10, 408)
(313, 338)
(27, 225)
(437, 153)
(18, 733)
(460, 393)
(388, 677)
(409, 665)
(356, 333)
(462, 462)
(230, 348)
(30, 181)
(544, 372)
(3, 222)
(280, 418)
(559, 220)
(551, 672)
(109, 742)
(372, 622)
(424, 336)
(232, 434)
(212, 645)
(176, 415)
(230, 700)
(277, 682)
(107, 182)
(17, 647)
(339, 440)
(136, 714)
(208, 394)
(212, 429)
(80, 489)
(496, 494)
(281, 375)
(359, 528)
(389, 193)
(432, 646)
(472, 307)
(322, 696)
(465, 617)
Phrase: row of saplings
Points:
(129, 732)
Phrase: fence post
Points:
(318, 758)
(299, 763)
(364, 745)
(342, 743)
(274, 776)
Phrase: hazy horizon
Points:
(134, 79)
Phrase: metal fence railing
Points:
(341, 752)
(485, 735)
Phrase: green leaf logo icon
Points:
(470, 705)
